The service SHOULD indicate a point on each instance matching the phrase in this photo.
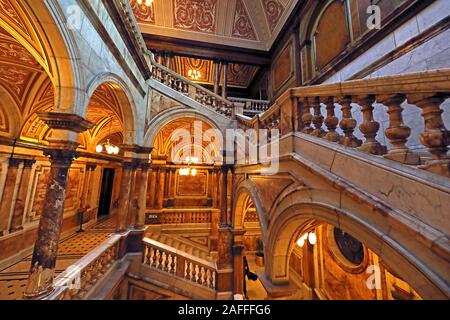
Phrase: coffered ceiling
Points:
(250, 24)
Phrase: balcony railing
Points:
(252, 107)
(314, 111)
(78, 279)
(180, 264)
(191, 89)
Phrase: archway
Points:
(298, 219)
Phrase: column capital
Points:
(91, 166)
(62, 156)
(14, 162)
(65, 121)
(145, 166)
(237, 249)
(28, 163)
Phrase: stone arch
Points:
(244, 190)
(163, 119)
(298, 218)
(54, 49)
(126, 102)
(10, 117)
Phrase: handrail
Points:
(202, 95)
(175, 262)
(76, 281)
(312, 110)
(252, 105)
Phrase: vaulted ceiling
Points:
(250, 24)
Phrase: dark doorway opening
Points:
(104, 206)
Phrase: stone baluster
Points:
(369, 127)
(317, 119)
(348, 124)
(398, 133)
(435, 137)
(331, 121)
(8, 194)
(19, 209)
(306, 117)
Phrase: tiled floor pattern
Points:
(13, 280)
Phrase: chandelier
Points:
(108, 147)
(187, 171)
(311, 236)
(146, 2)
(194, 74)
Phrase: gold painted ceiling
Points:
(251, 24)
(238, 75)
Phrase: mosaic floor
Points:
(13, 280)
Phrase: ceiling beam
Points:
(198, 49)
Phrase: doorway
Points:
(104, 206)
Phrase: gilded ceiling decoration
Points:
(239, 75)
(143, 13)
(195, 15)
(243, 27)
(273, 10)
(248, 24)
(15, 20)
(168, 138)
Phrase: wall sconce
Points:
(194, 74)
(108, 147)
(188, 171)
(311, 236)
(147, 2)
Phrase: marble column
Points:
(45, 251)
(216, 77)
(61, 151)
(132, 208)
(225, 80)
(140, 219)
(8, 194)
(238, 269)
(90, 168)
(19, 209)
(152, 193)
(161, 188)
(124, 198)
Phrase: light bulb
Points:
(99, 148)
(116, 150)
(193, 172)
(301, 241)
(312, 238)
(110, 150)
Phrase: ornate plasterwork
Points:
(243, 27)
(195, 15)
(251, 24)
(273, 10)
(143, 13)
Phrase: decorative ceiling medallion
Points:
(274, 10)
(143, 13)
(195, 15)
(243, 27)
